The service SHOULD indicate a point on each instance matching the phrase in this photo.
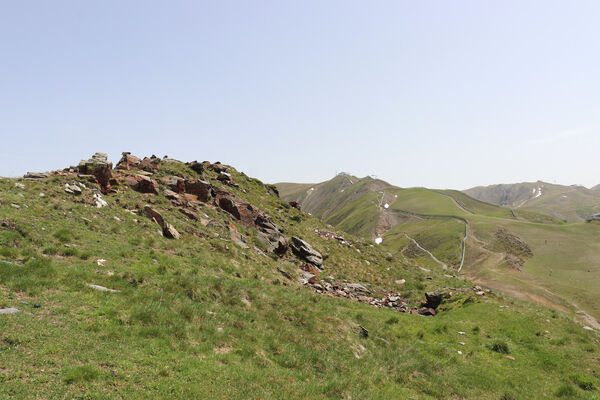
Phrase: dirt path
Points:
(444, 266)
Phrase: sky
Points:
(443, 94)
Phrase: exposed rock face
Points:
(127, 162)
(150, 164)
(199, 188)
(218, 167)
(168, 230)
(224, 177)
(175, 183)
(306, 252)
(98, 166)
(595, 217)
(434, 299)
(142, 184)
(197, 166)
(296, 205)
(249, 215)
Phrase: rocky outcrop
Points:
(296, 205)
(168, 230)
(175, 183)
(142, 184)
(199, 188)
(218, 167)
(249, 215)
(35, 175)
(305, 251)
(100, 168)
(197, 166)
(434, 299)
(127, 162)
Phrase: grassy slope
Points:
(570, 203)
(570, 251)
(201, 317)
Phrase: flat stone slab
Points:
(9, 310)
(101, 288)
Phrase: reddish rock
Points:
(127, 162)
(142, 184)
(189, 213)
(310, 268)
(427, 311)
(199, 188)
(218, 167)
(98, 166)
(197, 166)
(154, 215)
(149, 164)
(175, 183)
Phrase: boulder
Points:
(189, 213)
(154, 215)
(170, 232)
(426, 311)
(306, 252)
(149, 164)
(435, 298)
(224, 177)
(218, 167)
(197, 166)
(296, 205)
(199, 188)
(35, 175)
(98, 166)
(9, 310)
(175, 183)
(142, 184)
(127, 162)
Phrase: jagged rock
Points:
(224, 177)
(98, 166)
(273, 189)
(127, 162)
(175, 183)
(427, 311)
(72, 189)
(35, 175)
(236, 236)
(170, 232)
(189, 213)
(9, 310)
(199, 188)
(197, 166)
(307, 277)
(306, 252)
(100, 202)
(154, 215)
(249, 215)
(435, 298)
(296, 205)
(357, 287)
(142, 184)
(150, 164)
(275, 242)
(218, 167)
(310, 268)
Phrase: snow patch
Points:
(386, 205)
(378, 240)
(538, 194)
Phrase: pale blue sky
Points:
(420, 93)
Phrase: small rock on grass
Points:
(101, 288)
(9, 310)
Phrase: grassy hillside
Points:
(214, 314)
(562, 271)
(569, 203)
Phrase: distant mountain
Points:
(571, 203)
(597, 187)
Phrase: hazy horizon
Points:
(433, 94)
